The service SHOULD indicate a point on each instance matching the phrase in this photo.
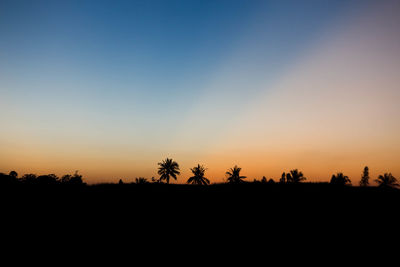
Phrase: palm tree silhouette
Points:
(233, 175)
(168, 168)
(340, 179)
(387, 180)
(198, 176)
(295, 177)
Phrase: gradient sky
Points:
(110, 88)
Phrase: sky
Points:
(110, 88)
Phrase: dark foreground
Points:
(216, 218)
(254, 200)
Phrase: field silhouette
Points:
(292, 194)
(289, 212)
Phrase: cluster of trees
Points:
(169, 169)
(48, 179)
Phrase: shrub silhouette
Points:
(283, 178)
(29, 178)
(13, 174)
(168, 168)
(72, 179)
(365, 177)
(198, 176)
(8, 179)
(47, 179)
(387, 180)
(141, 180)
(295, 177)
(340, 179)
(66, 178)
(233, 175)
(76, 179)
(155, 181)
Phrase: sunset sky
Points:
(110, 88)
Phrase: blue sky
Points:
(156, 48)
(147, 57)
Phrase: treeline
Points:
(48, 179)
(169, 169)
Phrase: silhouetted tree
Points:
(13, 174)
(233, 175)
(141, 180)
(198, 176)
(66, 178)
(365, 177)
(295, 177)
(283, 178)
(340, 179)
(387, 180)
(7, 179)
(29, 178)
(154, 180)
(75, 179)
(120, 181)
(47, 179)
(264, 180)
(168, 168)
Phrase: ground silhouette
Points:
(157, 197)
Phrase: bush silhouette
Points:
(283, 178)
(13, 174)
(340, 179)
(141, 180)
(295, 177)
(75, 179)
(8, 179)
(29, 178)
(387, 180)
(47, 179)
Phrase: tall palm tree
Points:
(295, 177)
(233, 175)
(198, 176)
(340, 179)
(387, 180)
(168, 168)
